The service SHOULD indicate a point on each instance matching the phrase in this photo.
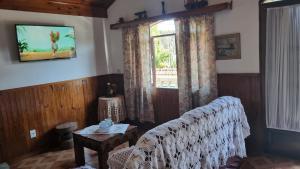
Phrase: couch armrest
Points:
(118, 159)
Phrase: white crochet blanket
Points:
(202, 138)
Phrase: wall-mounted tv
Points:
(45, 42)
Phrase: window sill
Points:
(162, 88)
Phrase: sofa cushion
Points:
(119, 157)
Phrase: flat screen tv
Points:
(37, 43)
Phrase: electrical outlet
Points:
(32, 134)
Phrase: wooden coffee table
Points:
(103, 144)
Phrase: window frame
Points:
(153, 59)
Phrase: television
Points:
(36, 43)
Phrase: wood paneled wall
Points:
(166, 105)
(247, 87)
(43, 107)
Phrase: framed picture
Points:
(228, 46)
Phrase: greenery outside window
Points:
(164, 56)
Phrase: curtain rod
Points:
(195, 12)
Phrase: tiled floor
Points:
(55, 160)
(65, 160)
(270, 162)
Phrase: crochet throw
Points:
(205, 138)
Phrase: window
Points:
(163, 42)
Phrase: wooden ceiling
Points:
(95, 8)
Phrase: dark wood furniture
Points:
(195, 12)
(103, 144)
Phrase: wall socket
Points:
(33, 134)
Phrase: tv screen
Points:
(45, 42)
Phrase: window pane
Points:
(165, 62)
(162, 28)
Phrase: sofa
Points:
(205, 137)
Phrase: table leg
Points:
(79, 153)
(102, 159)
(133, 138)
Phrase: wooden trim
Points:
(57, 83)
(196, 12)
(164, 35)
(239, 74)
(169, 89)
(262, 53)
(279, 3)
(65, 7)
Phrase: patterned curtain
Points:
(196, 62)
(137, 73)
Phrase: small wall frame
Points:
(228, 46)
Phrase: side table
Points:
(103, 144)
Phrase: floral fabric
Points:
(137, 73)
(196, 61)
(205, 138)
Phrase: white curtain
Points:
(283, 68)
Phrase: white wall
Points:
(125, 9)
(99, 49)
(244, 18)
(91, 57)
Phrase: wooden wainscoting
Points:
(42, 107)
(247, 87)
(166, 105)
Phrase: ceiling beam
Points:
(66, 7)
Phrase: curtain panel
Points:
(283, 68)
(137, 73)
(196, 60)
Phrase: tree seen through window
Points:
(164, 54)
